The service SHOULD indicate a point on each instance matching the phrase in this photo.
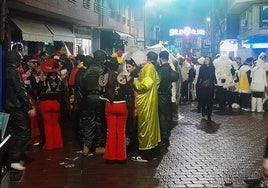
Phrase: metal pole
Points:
(2, 39)
(2, 21)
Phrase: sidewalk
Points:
(207, 155)
(201, 155)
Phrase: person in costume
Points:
(258, 85)
(18, 105)
(115, 88)
(185, 68)
(131, 127)
(50, 88)
(167, 76)
(147, 108)
(31, 83)
(83, 64)
(223, 66)
(92, 130)
(243, 75)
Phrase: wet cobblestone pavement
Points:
(228, 150)
(206, 154)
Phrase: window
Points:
(264, 14)
(72, 1)
(124, 20)
(86, 4)
(97, 6)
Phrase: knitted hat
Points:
(152, 56)
(164, 55)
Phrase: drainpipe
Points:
(2, 39)
(2, 21)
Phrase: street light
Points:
(208, 19)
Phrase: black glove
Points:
(135, 73)
(223, 80)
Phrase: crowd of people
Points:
(237, 85)
(119, 106)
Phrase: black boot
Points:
(203, 112)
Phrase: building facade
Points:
(248, 20)
(87, 25)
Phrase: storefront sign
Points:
(186, 31)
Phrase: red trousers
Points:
(35, 127)
(116, 115)
(50, 112)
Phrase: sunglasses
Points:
(34, 62)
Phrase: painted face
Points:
(130, 68)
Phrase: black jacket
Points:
(167, 76)
(15, 93)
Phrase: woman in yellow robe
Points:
(147, 109)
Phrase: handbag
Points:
(206, 84)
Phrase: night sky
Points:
(180, 13)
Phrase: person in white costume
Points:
(185, 68)
(223, 66)
(258, 84)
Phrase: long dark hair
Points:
(210, 61)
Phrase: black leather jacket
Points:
(16, 96)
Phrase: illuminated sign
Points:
(186, 31)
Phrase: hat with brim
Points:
(50, 65)
(58, 58)
(131, 62)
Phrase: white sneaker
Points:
(17, 166)
(139, 159)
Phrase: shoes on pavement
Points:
(17, 166)
(85, 150)
(139, 159)
(100, 150)
(36, 144)
(246, 109)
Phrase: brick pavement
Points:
(203, 155)
(200, 155)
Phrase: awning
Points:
(61, 33)
(257, 39)
(33, 30)
(124, 36)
